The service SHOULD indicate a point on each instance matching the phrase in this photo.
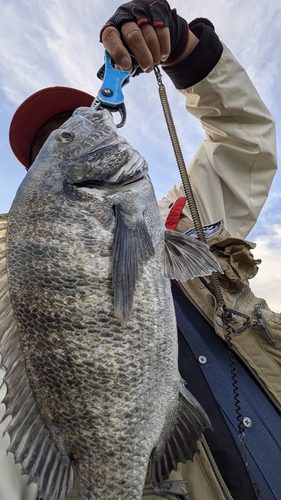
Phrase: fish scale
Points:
(92, 321)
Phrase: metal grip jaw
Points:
(110, 95)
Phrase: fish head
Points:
(86, 151)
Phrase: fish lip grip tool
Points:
(110, 95)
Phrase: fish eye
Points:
(65, 136)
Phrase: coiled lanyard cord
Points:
(216, 287)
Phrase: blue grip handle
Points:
(110, 94)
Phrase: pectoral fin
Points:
(132, 248)
(186, 258)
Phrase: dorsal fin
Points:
(30, 440)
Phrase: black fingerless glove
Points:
(157, 13)
(202, 59)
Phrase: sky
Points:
(57, 43)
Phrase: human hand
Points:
(149, 29)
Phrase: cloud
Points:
(266, 284)
(56, 43)
(251, 30)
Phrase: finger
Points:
(164, 39)
(151, 39)
(158, 42)
(133, 37)
(113, 44)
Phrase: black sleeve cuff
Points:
(202, 59)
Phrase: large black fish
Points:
(87, 328)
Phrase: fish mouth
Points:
(96, 184)
(134, 171)
(132, 181)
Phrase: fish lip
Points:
(95, 184)
(132, 180)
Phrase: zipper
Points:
(149, 491)
(261, 323)
(215, 468)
